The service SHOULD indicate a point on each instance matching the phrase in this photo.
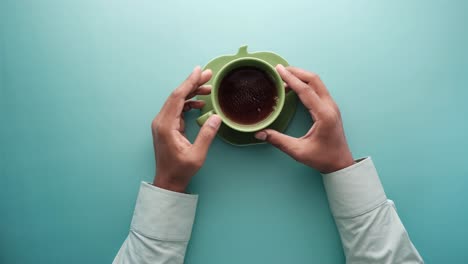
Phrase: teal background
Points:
(82, 80)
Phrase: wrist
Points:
(341, 162)
(164, 182)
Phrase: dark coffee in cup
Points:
(247, 95)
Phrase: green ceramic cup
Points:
(243, 62)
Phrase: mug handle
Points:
(202, 119)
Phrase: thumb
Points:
(284, 142)
(207, 134)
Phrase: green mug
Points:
(245, 62)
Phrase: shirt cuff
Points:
(354, 190)
(164, 215)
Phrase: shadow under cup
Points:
(256, 64)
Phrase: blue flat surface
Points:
(82, 80)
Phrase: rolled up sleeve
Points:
(369, 226)
(161, 227)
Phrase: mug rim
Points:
(264, 122)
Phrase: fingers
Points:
(206, 135)
(202, 90)
(191, 86)
(285, 143)
(175, 103)
(205, 76)
(311, 78)
(191, 83)
(193, 104)
(307, 95)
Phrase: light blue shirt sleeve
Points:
(369, 226)
(160, 229)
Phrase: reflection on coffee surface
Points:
(247, 95)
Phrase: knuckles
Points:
(177, 93)
(155, 124)
(314, 77)
(158, 129)
(302, 88)
(331, 116)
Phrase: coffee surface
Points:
(247, 95)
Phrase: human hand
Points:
(324, 146)
(177, 160)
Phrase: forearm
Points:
(369, 226)
(161, 227)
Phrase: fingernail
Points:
(261, 135)
(214, 121)
(280, 67)
(196, 67)
(207, 71)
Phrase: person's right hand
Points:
(324, 147)
(177, 159)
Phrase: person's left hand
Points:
(177, 160)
